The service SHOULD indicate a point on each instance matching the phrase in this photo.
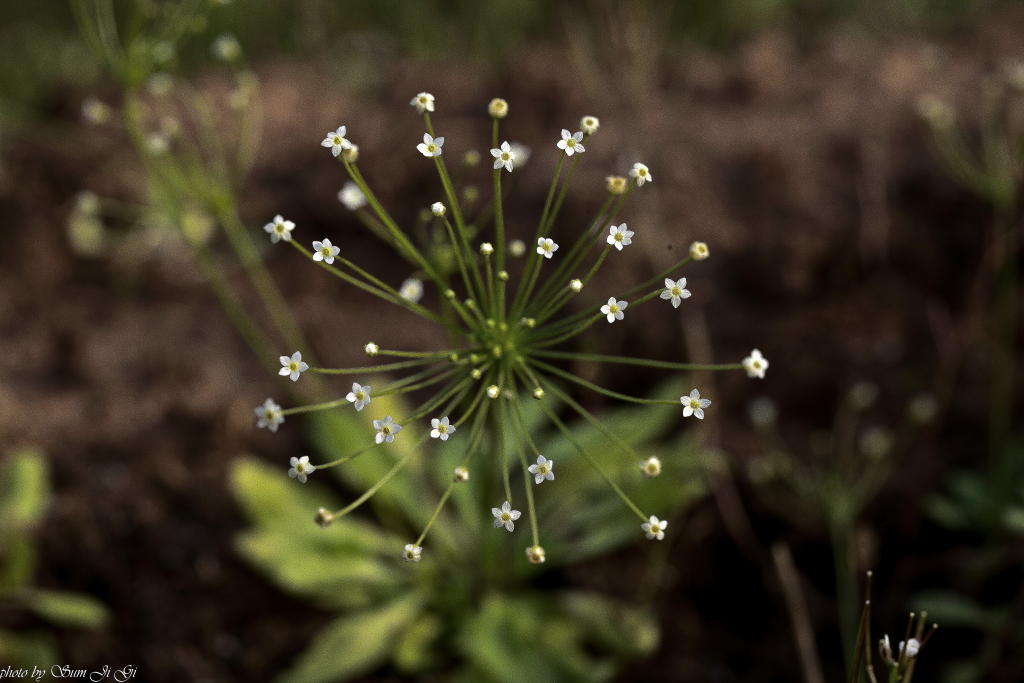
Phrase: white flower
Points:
(654, 528)
(371, 349)
(913, 647)
(269, 415)
(546, 246)
(590, 124)
(386, 429)
(571, 142)
(516, 248)
(492, 391)
(441, 429)
(676, 291)
(520, 154)
(641, 173)
(293, 367)
(620, 237)
(486, 249)
(504, 156)
(505, 516)
(699, 251)
(279, 229)
(411, 290)
(542, 470)
(430, 147)
(614, 309)
(325, 251)
(301, 469)
(437, 208)
(460, 474)
(651, 467)
(423, 102)
(535, 555)
(336, 141)
(412, 552)
(755, 364)
(694, 404)
(576, 286)
(360, 396)
(351, 196)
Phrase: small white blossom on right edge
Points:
(504, 156)
(279, 229)
(676, 291)
(699, 251)
(546, 246)
(505, 516)
(386, 429)
(412, 552)
(351, 196)
(694, 405)
(360, 396)
(641, 173)
(325, 251)
(440, 429)
(411, 290)
(301, 469)
(542, 470)
(620, 237)
(614, 309)
(269, 415)
(336, 141)
(423, 102)
(651, 467)
(293, 367)
(430, 147)
(755, 364)
(571, 142)
(655, 528)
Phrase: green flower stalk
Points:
(503, 334)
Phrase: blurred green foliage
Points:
(24, 497)
(471, 605)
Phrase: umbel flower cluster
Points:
(505, 338)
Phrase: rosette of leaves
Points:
(470, 607)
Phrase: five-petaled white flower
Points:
(325, 251)
(301, 469)
(441, 429)
(542, 470)
(755, 364)
(546, 246)
(655, 529)
(641, 173)
(386, 429)
(360, 396)
(279, 229)
(620, 237)
(269, 415)
(412, 552)
(351, 196)
(571, 142)
(504, 156)
(614, 309)
(336, 141)
(293, 367)
(411, 290)
(430, 147)
(423, 102)
(694, 404)
(651, 467)
(505, 516)
(676, 291)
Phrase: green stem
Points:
(601, 390)
(624, 360)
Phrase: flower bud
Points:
(516, 248)
(589, 124)
(651, 467)
(437, 208)
(699, 251)
(472, 158)
(498, 108)
(576, 286)
(616, 184)
(351, 154)
(324, 517)
(538, 393)
(535, 554)
(371, 349)
(486, 249)
(492, 391)
(460, 475)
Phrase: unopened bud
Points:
(651, 467)
(538, 393)
(616, 184)
(498, 108)
(460, 475)
(371, 349)
(699, 251)
(324, 517)
(535, 554)
(516, 248)
(486, 249)
(351, 154)
(576, 285)
(437, 208)
(493, 391)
